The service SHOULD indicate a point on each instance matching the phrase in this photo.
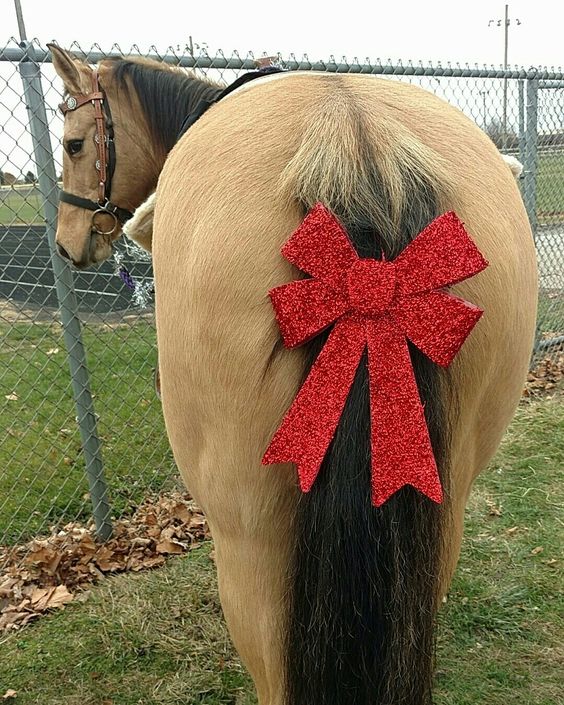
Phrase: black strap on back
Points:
(204, 104)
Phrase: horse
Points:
(328, 599)
(135, 108)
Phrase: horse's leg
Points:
(250, 512)
(249, 508)
(480, 419)
(252, 575)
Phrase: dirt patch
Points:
(17, 312)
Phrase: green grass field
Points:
(159, 638)
(42, 479)
(17, 210)
(550, 184)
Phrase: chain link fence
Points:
(81, 426)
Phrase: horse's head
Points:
(108, 168)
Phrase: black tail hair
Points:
(364, 580)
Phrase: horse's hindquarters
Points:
(226, 381)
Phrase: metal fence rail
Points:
(81, 427)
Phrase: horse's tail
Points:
(365, 581)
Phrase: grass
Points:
(16, 209)
(550, 313)
(550, 183)
(128, 645)
(159, 637)
(43, 478)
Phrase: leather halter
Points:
(106, 158)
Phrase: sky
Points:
(436, 30)
(432, 31)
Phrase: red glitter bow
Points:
(376, 305)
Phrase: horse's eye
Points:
(74, 146)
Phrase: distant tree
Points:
(494, 130)
(30, 178)
(1, 178)
(8, 179)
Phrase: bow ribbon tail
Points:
(401, 448)
(310, 424)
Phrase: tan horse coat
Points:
(227, 200)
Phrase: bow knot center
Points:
(371, 286)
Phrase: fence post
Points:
(47, 182)
(521, 104)
(531, 153)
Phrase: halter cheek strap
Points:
(105, 162)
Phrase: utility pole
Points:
(21, 25)
(506, 22)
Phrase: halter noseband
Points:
(106, 158)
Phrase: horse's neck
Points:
(163, 120)
(167, 105)
(164, 98)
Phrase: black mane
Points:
(166, 96)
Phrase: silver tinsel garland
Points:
(142, 291)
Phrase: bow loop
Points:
(304, 308)
(441, 255)
(320, 246)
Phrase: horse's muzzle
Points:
(90, 254)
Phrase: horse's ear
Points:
(67, 67)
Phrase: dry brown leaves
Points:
(46, 574)
(546, 376)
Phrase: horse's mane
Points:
(166, 94)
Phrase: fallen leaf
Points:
(537, 550)
(9, 694)
(12, 397)
(168, 546)
(494, 511)
(545, 375)
(180, 511)
(41, 575)
(50, 598)
(52, 351)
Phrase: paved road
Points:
(26, 275)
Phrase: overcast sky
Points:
(429, 31)
(435, 30)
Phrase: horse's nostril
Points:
(61, 250)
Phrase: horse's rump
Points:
(343, 595)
